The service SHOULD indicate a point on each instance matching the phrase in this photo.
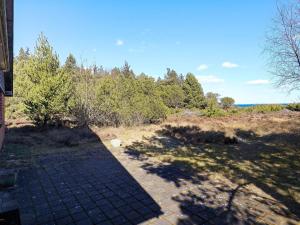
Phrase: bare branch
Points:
(283, 47)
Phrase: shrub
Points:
(234, 110)
(172, 95)
(46, 90)
(125, 101)
(264, 108)
(194, 97)
(227, 102)
(14, 108)
(294, 107)
(213, 110)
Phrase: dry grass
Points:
(24, 143)
(266, 157)
(260, 124)
(267, 154)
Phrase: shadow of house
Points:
(71, 178)
(269, 162)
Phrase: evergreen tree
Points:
(115, 72)
(194, 97)
(14, 105)
(47, 93)
(20, 61)
(23, 55)
(47, 89)
(172, 95)
(70, 64)
(171, 77)
(126, 71)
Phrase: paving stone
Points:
(111, 213)
(65, 221)
(79, 216)
(132, 215)
(97, 218)
(28, 219)
(105, 223)
(45, 218)
(76, 209)
(161, 222)
(84, 222)
(94, 188)
(60, 214)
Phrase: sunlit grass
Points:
(267, 155)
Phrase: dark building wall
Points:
(6, 72)
(2, 121)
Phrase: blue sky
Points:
(220, 41)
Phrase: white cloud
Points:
(202, 67)
(210, 79)
(229, 65)
(257, 82)
(119, 42)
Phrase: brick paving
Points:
(94, 189)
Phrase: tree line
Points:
(49, 93)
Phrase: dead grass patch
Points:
(267, 155)
(24, 143)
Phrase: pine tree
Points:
(23, 55)
(171, 77)
(70, 64)
(194, 97)
(47, 89)
(126, 71)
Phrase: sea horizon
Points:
(254, 104)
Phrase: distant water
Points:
(250, 105)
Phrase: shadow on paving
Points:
(270, 163)
(71, 178)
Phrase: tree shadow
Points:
(270, 163)
(206, 205)
(66, 175)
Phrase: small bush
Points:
(294, 107)
(233, 111)
(213, 112)
(264, 108)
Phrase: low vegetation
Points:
(294, 107)
(258, 149)
(49, 93)
(58, 109)
(197, 132)
(25, 143)
(264, 108)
